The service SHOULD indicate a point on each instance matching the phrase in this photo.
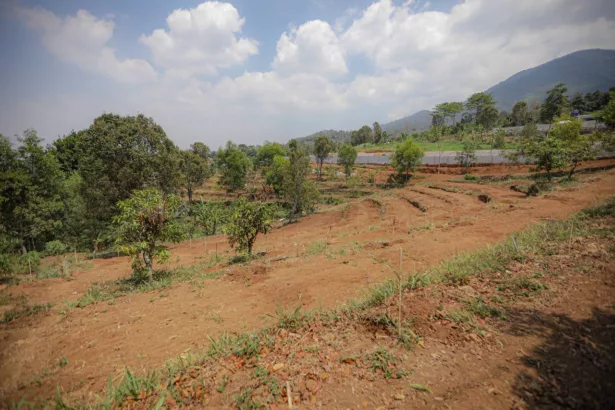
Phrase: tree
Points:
(146, 219)
(248, 219)
(277, 171)
(467, 156)
(454, 108)
(544, 151)
(361, 136)
(194, 167)
(487, 117)
(201, 150)
(210, 215)
(577, 102)
(555, 104)
(377, 133)
(119, 155)
(233, 165)
(576, 146)
(477, 103)
(322, 147)
(519, 113)
(296, 188)
(346, 157)
(31, 182)
(65, 149)
(607, 114)
(498, 139)
(266, 153)
(407, 156)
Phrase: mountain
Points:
(418, 121)
(582, 71)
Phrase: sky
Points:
(250, 71)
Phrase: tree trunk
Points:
(147, 259)
(250, 244)
(190, 195)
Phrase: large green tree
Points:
(322, 148)
(31, 184)
(555, 104)
(346, 157)
(407, 157)
(520, 113)
(233, 165)
(194, 167)
(265, 154)
(297, 189)
(119, 155)
(477, 104)
(377, 133)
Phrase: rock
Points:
(493, 391)
(278, 366)
(438, 398)
(399, 396)
(421, 343)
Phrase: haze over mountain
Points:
(582, 71)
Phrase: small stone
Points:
(493, 391)
(438, 398)
(278, 366)
(399, 396)
(421, 343)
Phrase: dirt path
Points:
(143, 330)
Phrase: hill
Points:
(583, 71)
(420, 120)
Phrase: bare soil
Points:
(324, 260)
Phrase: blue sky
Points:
(276, 69)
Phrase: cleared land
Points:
(95, 327)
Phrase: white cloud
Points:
(81, 39)
(411, 58)
(201, 40)
(311, 48)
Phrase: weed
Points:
(222, 386)
(245, 401)
(522, 286)
(13, 314)
(317, 247)
(214, 317)
(416, 204)
(291, 319)
(63, 362)
(381, 360)
(132, 386)
(480, 308)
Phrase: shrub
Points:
(55, 248)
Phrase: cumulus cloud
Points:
(311, 48)
(201, 40)
(411, 58)
(81, 39)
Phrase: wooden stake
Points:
(288, 396)
(399, 280)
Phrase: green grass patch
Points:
(14, 314)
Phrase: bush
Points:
(55, 248)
